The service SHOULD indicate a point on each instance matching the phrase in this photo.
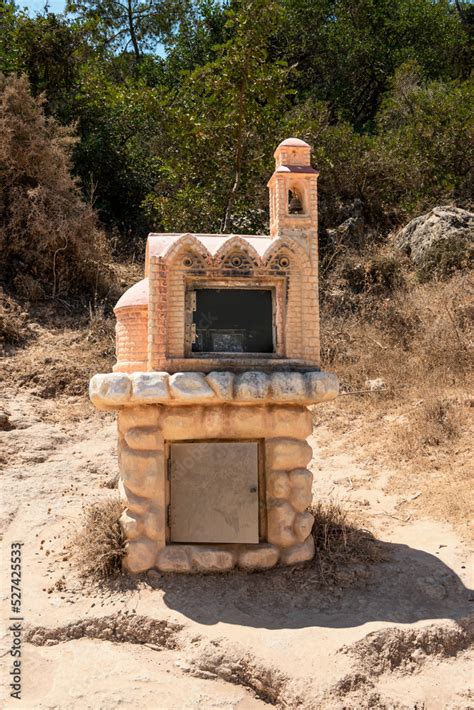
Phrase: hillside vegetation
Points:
(178, 106)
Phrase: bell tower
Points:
(294, 218)
(293, 192)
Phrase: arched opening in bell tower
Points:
(295, 201)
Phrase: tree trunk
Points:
(461, 12)
(238, 158)
(131, 29)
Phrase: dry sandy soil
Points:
(397, 635)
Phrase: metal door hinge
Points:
(193, 333)
(193, 301)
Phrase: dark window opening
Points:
(233, 321)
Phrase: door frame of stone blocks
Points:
(262, 483)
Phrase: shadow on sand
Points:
(411, 585)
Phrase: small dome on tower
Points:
(293, 143)
(293, 151)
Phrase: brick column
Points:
(157, 315)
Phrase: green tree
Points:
(426, 139)
(346, 52)
(222, 128)
(201, 27)
(128, 25)
(118, 167)
(53, 51)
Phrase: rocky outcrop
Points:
(430, 238)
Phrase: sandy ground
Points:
(395, 637)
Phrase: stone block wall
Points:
(143, 431)
(156, 409)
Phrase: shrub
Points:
(446, 257)
(375, 273)
(14, 327)
(434, 422)
(99, 545)
(48, 232)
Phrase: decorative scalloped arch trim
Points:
(186, 241)
(285, 246)
(236, 243)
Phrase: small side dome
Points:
(131, 330)
(293, 143)
(136, 295)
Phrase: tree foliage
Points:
(178, 106)
(128, 25)
(50, 242)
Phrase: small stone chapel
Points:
(217, 363)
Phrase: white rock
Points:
(222, 383)
(112, 389)
(427, 237)
(150, 387)
(190, 386)
(288, 387)
(252, 385)
(375, 385)
(321, 386)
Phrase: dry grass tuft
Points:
(340, 543)
(100, 333)
(99, 545)
(434, 422)
(414, 335)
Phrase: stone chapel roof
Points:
(164, 245)
(161, 244)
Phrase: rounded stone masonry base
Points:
(142, 555)
(155, 410)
